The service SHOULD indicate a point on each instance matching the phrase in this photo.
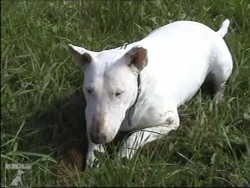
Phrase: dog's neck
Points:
(132, 108)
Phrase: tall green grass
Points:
(42, 119)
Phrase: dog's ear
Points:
(81, 56)
(137, 57)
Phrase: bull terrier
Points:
(139, 87)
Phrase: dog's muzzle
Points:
(98, 138)
(97, 133)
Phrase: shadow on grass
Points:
(62, 127)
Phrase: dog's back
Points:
(184, 54)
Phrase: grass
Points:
(42, 118)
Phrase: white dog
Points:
(18, 179)
(139, 87)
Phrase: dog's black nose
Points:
(98, 139)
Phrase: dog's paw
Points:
(92, 156)
(96, 163)
(90, 160)
(93, 161)
(99, 148)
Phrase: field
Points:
(42, 107)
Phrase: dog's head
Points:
(20, 172)
(110, 87)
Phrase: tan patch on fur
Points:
(97, 125)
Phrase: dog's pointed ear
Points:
(81, 56)
(137, 57)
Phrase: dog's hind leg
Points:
(213, 87)
(215, 81)
(218, 97)
(222, 66)
(218, 78)
(140, 138)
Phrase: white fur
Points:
(18, 179)
(180, 56)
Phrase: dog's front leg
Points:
(21, 183)
(140, 138)
(91, 158)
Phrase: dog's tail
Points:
(224, 28)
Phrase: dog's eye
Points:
(89, 91)
(117, 94)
